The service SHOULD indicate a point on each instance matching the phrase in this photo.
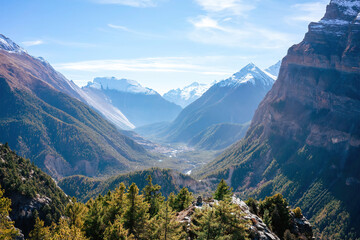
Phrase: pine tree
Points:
(153, 196)
(116, 204)
(116, 231)
(204, 225)
(94, 226)
(7, 229)
(164, 225)
(76, 211)
(223, 221)
(277, 208)
(183, 200)
(172, 201)
(136, 215)
(223, 191)
(64, 231)
(39, 232)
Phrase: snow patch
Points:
(187, 95)
(351, 7)
(122, 85)
(250, 74)
(334, 22)
(8, 45)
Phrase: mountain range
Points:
(304, 139)
(232, 102)
(141, 106)
(43, 117)
(187, 95)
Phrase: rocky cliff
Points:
(304, 139)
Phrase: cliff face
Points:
(304, 139)
(316, 98)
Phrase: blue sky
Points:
(162, 44)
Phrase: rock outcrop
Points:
(256, 228)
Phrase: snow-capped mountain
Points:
(8, 45)
(233, 100)
(187, 95)
(122, 85)
(250, 74)
(140, 105)
(274, 69)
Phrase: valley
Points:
(261, 152)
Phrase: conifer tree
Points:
(204, 225)
(153, 196)
(223, 221)
(223, 191)
(182, 200)
(64, 231)
(39, 232)
(136, 215)
(7, 229)
(116, 204)
(278, 211)
(164, 225)
(76, 211)
(116, 231)
(94, 226)
(172, 201)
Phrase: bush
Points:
(297, 212)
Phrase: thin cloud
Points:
(224, 24)
(210, 31)
(309, 12)
(131, 3)
(33, 43)
(125, 29)
(235, 7)
(200, 65)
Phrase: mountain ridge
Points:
(232, 100)
(304, 137)
(43, 118)
(140, 105)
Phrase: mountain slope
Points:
(30, 190)
(274, 69)
(219, 136)
(304, 139)
(42, 119)
(84, 188)
(233, 100)
(187, 95)
(142, 106)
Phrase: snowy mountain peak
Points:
(274, 69)
(122, 85)
(8, 45)
(250, 74)
(187, 95)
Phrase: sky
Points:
(162, 44)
